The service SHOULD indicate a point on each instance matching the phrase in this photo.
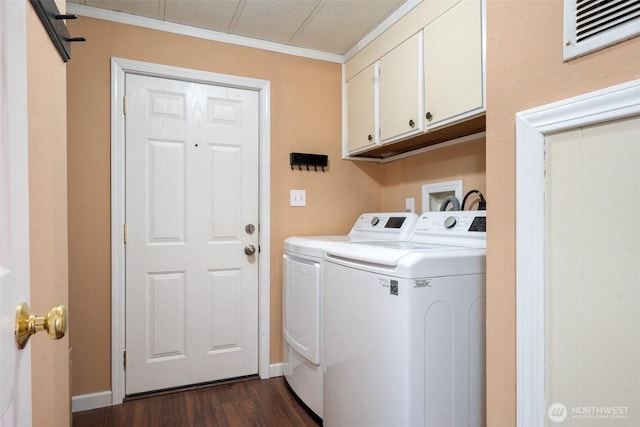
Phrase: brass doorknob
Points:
(27, 324)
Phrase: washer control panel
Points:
(456, 222)
(386, 226)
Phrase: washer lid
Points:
(408, 259)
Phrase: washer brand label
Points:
(393, 288)
(422, 283)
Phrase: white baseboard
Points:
(276, 369)
(85, 402)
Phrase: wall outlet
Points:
(410, 204)
(297, 198)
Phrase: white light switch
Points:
(298, 198)
(410, 204)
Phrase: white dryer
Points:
(404, 329)
(302, 296)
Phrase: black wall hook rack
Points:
(309, 161)
(53, 22)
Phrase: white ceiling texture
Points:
(332, 26)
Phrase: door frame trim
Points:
(532, 126)
(119, 68)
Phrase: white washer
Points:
(404, 327)
(302, 296)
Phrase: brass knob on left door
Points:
(27, 324)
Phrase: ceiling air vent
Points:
(590, 25)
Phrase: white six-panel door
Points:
(191, 191)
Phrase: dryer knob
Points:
(375, 220)
(450, 222)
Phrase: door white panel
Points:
(166, 188)
(166, 294)
(224, 111)
(167, 105)
(226, 299)
(225, 204)
(191, 187)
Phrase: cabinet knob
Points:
(412, 123)
(370, 138)
(429, 116)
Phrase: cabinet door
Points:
(361, 110)
(401, 101)
(453, 65)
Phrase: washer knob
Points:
(450, 222)
(375, 220)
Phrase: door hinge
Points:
(124, 359)
(124, 105)
(124, 233)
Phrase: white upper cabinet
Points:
(362, 110)
(421, 82)
(401, 91)
(453, 65)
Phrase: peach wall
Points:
(46, 86)
(305, 117)
(525, 70)
(405, 178)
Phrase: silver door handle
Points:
(249, 249)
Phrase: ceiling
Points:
(332, 26)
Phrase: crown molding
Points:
(185, 30)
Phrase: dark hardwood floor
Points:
(253, 402)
